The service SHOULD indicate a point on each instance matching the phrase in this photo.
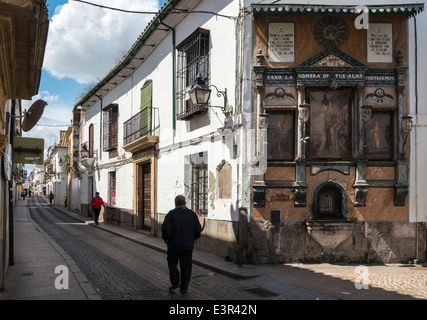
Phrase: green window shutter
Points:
(146, 104)
(146, 95)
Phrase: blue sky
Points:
(84, 43)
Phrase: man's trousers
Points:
(185, 259)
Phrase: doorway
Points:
(144, 196)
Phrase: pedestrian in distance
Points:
(180, 229)
(51, 197)
(24, 194)
(96, 203)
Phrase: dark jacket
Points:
(181, 228)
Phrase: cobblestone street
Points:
(122, 264)
(357, 282)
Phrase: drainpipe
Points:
(416, 140)
(100, 128)
(173, 80)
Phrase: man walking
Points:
(51, 197)
(180, 229)
(97, 202)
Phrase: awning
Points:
(407, 10)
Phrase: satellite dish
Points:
(33, 115)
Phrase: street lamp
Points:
(406, 129)
(200, 94)
(264, 121)
(406, 124)
(304, 112)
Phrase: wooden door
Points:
(146, 195)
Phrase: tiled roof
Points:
(62, 139)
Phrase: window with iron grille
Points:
(110, 127)
(199, 187)
(193, 59)
(329, 202)
(91, 140)
(112, 187)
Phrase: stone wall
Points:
(336, 242)
(228, 239)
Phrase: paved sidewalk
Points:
(36, 254)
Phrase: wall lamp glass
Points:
(264, 121)
(304, 112)
(406, 124)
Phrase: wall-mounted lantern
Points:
(406, 129)
(304, 112)
(406, 124)
(200, 94)
(264, 121)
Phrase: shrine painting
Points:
(281, 137)
(329, 125)
(379, 137)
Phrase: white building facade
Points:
(144, 139)
(57, 181)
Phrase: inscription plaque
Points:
(379, 43)
(281, 42)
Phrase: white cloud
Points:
(85, 42)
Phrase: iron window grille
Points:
(110, 127)
(112, 187)
(193, 59)
(329, 202)
(91, 140)
(199, 188)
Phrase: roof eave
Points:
(308, 9)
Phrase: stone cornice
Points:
(141, 144)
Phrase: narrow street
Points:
(121, 269)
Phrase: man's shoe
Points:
(183, 290)
(172, 288)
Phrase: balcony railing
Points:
(141, 124)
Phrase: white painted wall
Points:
(75, 195)
(418, 143)
(171, 173)
(158, 68)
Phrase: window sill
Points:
(191, 112)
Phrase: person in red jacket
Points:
(97, 202)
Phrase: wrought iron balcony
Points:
(140, 125)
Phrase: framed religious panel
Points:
(281, 136)
(330, 127)
(379, 136)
